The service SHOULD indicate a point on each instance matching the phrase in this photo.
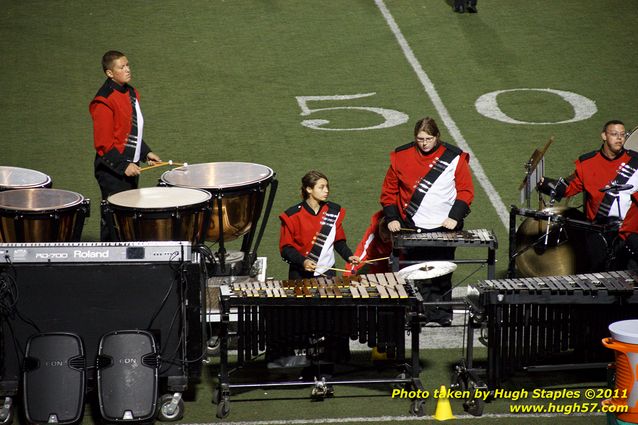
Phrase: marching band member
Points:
(118, 128)
(312, 230)
(428, 187)
(376, 243)
(310, 233)
(608, 177)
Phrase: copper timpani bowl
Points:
(239, 186)
(41, 215)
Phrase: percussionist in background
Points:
(428, 187)
(118, 127)
(607, 177)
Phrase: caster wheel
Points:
(474, 407)
(417, 408)
(167, 411)
(223, 409)
(6, 411)
(217, 396)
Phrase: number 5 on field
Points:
(390, 116)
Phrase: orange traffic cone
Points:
(443, 409)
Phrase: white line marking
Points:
(380, 419)
(475, 165)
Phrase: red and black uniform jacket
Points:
(372, 246)
(594, 171)
(449, 196)
(300, 228)
(112, 113)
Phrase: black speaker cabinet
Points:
(93, 299)
(54, 378)
(127, 369)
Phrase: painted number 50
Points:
(390, 116)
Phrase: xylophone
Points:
(381, 285)
(474, 238)
(376, 309)
(544, 322)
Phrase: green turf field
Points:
(228, 80)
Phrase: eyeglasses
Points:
(615, 134)
(425, 139)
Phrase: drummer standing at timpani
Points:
(311, 229)
(428, 187)
(597, 174)
(118, 127)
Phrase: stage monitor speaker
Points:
(127, 369)
(54, 378)
(93, 299)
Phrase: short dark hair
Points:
(110, 57)
(428, 125)
(310, 180)
(612, 122)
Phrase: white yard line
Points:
(381, 419)
(454, 131)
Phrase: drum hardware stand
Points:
(249, 253)
(534, 171)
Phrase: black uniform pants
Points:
(110, 183)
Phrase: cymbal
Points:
(427, 270)
(560, 253)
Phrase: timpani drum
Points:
(22, 178)
(238, 186)
(158, 214)
(42, 215)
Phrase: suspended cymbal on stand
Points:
(561, 251)
(427, 270)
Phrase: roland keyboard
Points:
(91, 252)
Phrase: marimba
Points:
(376, 309)
(545, 322)
(475, 238)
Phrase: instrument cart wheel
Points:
(6, 411)
(171, 408)
(417, 407)
(223, 408)
(321, 390)
(475, 406)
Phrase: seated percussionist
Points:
(607, 177)
(312, 230)
(428, 187)
(310, 233)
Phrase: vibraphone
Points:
(376, 309)
(476, 238)
(553, 322)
